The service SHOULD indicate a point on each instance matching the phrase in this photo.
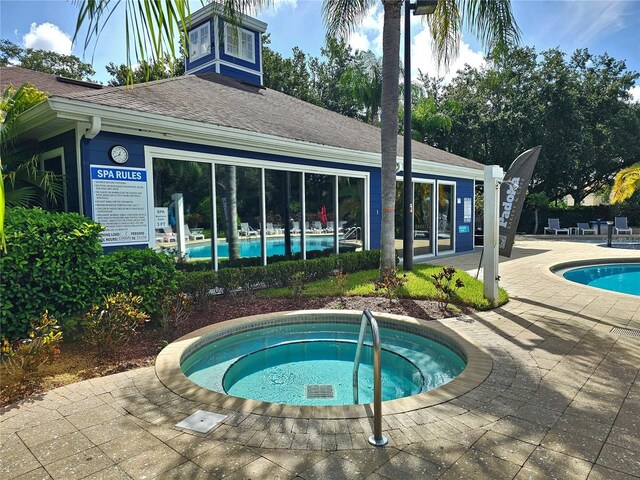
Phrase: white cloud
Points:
(423, 58)
(359, 41)
(47, 36)
(272, 9)
(635, 94)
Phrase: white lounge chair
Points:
(554, 226)
(329, 228)
(296, 227)
(192, 236)
(270, 230)
(247, 231)
(317, 227)
(621, 226)
(584, 227)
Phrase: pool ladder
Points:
(377, 439)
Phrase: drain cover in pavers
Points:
(201, 421)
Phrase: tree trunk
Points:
(232, 213)
(389, 128)
(535, 227)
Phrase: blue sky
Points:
(601, 26)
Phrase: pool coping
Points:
(168, 371)
(556, 269)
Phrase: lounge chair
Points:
(584, 227)
(270, 230)
(621, 226)
(296, 227)
(165, 235)
(247, 231)
(192, 236)
(317, 227)
(554, 226)
(329, 228)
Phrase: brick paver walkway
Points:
(562, 401)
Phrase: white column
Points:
(178, 207)
(493, 175)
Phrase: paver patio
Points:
(562, 401)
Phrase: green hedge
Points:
(54, 262)
(141, 272)
(202, 265)
(50, 264)
(226, 281)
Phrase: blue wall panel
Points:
(464, 241)
(242, 75)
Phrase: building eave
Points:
(133, 122)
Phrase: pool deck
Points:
(562, 401)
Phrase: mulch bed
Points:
(76, 363)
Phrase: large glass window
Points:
(422, 218)
(445, 218)
(282, 197)
(199, 42)
(238, 192)
(351, 213)
(399, 218)
(319, 211)
(193, 181)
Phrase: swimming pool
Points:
(617, 277)
(250, 247)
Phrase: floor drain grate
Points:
(319, 391)
(628, 332)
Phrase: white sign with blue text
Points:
(119, 199)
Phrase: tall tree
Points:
(156, 23)
(363, 81)
(45, 61)
(147, 71)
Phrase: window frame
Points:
(239, 43)
(198, 33)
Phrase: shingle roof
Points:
(53, 85)
(215, 99)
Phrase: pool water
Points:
(250, 247)
(618, 277)
(276, 364)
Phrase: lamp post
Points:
(420, 7)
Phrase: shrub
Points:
(390, 283)
(198, 285)
(49, 265)
(114, 322)
(446, 285)
(141, 272)
(22, 358)
(174, 310)
(298, 283)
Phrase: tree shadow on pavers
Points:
(560, 310)
(519, 252)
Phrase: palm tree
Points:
(364, 81)
(627, 181)
(155, 24)
(23, 183)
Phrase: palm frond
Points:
(445, 24)
(341, 17)
(492, 22)
(627, 181)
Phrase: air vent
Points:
(627, 332)
(319, 391)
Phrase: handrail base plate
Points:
(381, 442)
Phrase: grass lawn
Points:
(419, 286)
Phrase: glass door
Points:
(422, 218)
(445, 219)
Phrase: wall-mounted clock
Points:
(119, 154)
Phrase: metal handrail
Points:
(377, 438)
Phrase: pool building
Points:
(235, 160)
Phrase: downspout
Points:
(93, 130)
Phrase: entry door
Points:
(446, 217)
(422, 218)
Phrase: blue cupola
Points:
(219, 45)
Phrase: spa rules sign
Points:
(119, 199)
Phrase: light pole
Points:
(420, 7)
